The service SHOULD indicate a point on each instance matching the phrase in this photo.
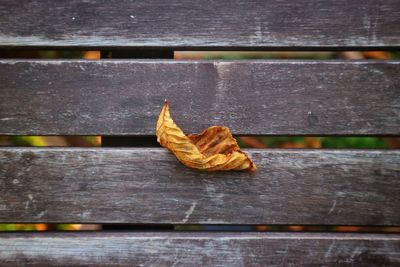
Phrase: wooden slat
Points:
(139, 185)
(205, 249)
(177, 24)
(249, 97)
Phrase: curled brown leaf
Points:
(214, 149)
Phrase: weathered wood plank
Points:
(205, 249)
(177, 24)
(250, 97)
(139, 185)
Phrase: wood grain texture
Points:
(139, 185)
(124, 97)
(203, 249)
(177, 24)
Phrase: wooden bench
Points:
(148, 186)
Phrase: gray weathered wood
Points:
(143, 185)
(200, 249)
(252, 24)
(118, 97)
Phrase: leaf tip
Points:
(252, 168)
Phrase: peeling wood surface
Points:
(118, 97)
(177, 24)
(203, 249)
(139, 185)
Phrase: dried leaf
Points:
(213, 150)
